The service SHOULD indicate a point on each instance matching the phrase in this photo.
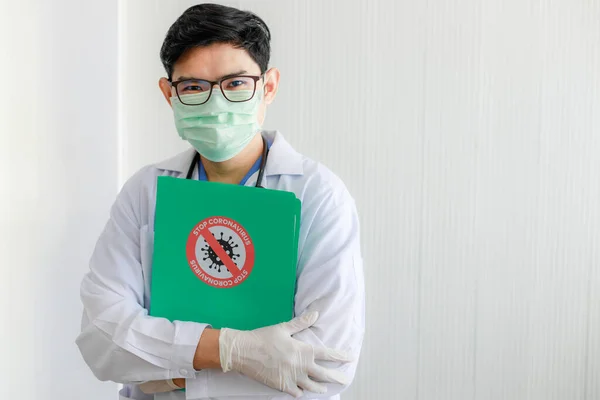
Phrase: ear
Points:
(271, 85)
(165, 88)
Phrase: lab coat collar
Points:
(282, 160)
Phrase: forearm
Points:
(112, 359)
(207, 352)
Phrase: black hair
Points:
(204, 24)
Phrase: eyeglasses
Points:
(236, 89)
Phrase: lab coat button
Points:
(183, 372)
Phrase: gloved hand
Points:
(271, 356)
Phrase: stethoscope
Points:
(261, 171)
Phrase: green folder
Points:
(224, 254)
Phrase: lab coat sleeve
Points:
(118, 340)
(330, 281)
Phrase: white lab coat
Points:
(120, 342)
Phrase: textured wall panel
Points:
(468, 133)
(58, 178)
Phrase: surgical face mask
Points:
(218, 129)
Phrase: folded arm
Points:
(330, 281)
(119, 341)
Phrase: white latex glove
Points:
(271, 356)
(163, 386)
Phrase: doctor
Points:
(219, 86)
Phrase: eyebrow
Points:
(185, 78)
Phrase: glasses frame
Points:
(256, 78)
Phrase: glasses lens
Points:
(239, 88)
(193, 91)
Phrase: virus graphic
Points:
(227, 245)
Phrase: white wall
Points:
(58, 176)
(468, 132)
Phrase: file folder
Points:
(224, 254)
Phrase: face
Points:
(216, 61)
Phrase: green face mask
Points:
(219, 129)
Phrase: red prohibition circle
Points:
(236, 275)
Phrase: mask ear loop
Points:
(264, 86)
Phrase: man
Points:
(219, 86)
